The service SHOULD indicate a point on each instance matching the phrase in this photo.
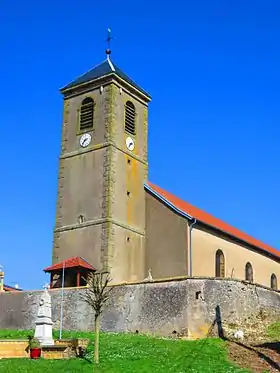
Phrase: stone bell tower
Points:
(102, 170)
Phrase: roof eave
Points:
(265, 251)
(89, 267)
(141, 91)
(68, 88)
(11, 288)
(269, 253)
(48, 270)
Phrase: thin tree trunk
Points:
(96, 340)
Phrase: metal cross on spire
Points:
(109, 38)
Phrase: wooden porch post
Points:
(78, 278)
(51, 282)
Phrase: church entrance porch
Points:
(72, 272)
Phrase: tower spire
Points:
(109, 38)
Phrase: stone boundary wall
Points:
(187, 306)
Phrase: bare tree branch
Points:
(98, 293)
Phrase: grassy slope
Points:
(126, 353)
(273, 331)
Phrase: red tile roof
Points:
(10, 288)
(75, 261)
(210, 220)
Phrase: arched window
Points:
(220, 264)
(273, 281)
(86, 114)
(129, 118)
(249, 272)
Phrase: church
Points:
(111, 217)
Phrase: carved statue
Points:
(150, 277)
(44, 322)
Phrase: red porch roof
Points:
(75, 261)
(210, 220)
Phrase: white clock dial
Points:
(129, 143)
(85, 140)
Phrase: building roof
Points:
(210, 220)
(105, 68)
(75, 261)
(11, 288)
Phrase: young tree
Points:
(97, 294)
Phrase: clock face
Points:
(129, 143)
(85, 140)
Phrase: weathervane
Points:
(109, 38)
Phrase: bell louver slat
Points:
(130, 118)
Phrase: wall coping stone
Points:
(157, 281)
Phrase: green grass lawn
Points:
(23, 334)
(127, 353)
(273, 331)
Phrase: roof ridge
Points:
(85, 260)
(111, 64)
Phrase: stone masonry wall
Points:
(187, 306)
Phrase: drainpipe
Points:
(190, 241)
(61, 302)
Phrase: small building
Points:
(11, 288)
(76, 271)
(4, 287)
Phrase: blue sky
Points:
(212, 68)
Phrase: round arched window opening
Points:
(249, 275)
(273, 281)
(220, 264)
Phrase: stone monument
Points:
(44, 323)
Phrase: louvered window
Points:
(130, 118)
(86, 114)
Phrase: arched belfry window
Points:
(273, 281)
(249, 276)
(86, 113)
(130, 118)
(220, 264)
